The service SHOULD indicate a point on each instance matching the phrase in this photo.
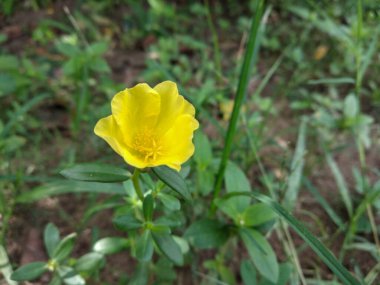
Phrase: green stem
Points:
(240, 95)
(136, 184)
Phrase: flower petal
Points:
(172, 106)
(177, 146)
(108, 129)
(136, 108)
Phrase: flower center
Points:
(145, 143)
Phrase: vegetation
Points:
(284, 184)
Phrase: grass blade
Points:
(326, 206)
(332, 81)
(294, 181)
(327, 257)
(340, 182)
(240, 95)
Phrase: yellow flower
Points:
(150, 126)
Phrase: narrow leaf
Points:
(173, 179)
(148, 207)
(294, 181)
(51, 238)
(65, 186)
(29, 272)
(326, 206)
(340, 182)
(127, 223)
(64, 247)
(342, 80)
(111, 245)
(144, 246)
(89, 262)
(168, 247)
(96, 172)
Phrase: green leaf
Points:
(68, 50)
(141, 274)
(97, 49)
(100, 65)
(148, 207)
(89, 262)
(248, 273)
(127, 223)
(203, 151)
(205, 180)
(6, 268)
(284, 275)
(56, 280)
(144, 246)
(170, 202)
(296, 168)
(172, 220)
(340, 182)
(8, 62)
(258, 214)
(168, 246)
(183, 244)
(64, 247)
(65, 186)
(173, 179)
(29, 272)
(228, 207)
(51, 238)
(96, 172)
(207, 233)
(237, 181)
(341, 272)
(351, 107)
(69, 276)
(263, 256)
(110, 245)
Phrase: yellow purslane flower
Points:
(150, 126)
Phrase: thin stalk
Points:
(74, 22)
(293, 252)
(136, 184)
(371, 218)
(359, 29)
(83, 99)
(240, 95)
(215, 41)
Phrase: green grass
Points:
(287, 96)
